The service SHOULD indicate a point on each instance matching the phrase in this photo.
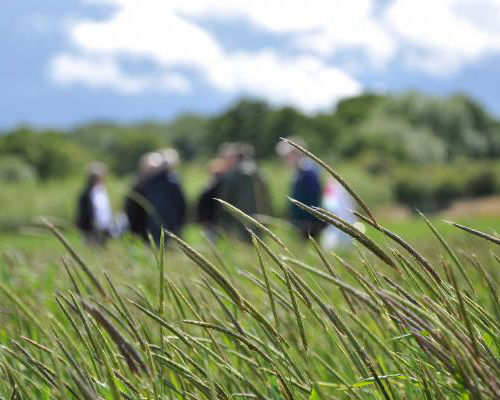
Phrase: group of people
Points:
(156, 200)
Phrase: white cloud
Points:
(438, 36)
(165, 33)
(442, 35)
(68, 69)
(322, 26)
(175, 82)
(105, 72)
(303, 81)
(149, 28)
(445, 34)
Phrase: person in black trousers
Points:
(207, 207)
(94, 216)
(156, 200)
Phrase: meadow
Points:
(395, 317)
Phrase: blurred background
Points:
(401, 97)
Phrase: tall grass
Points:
(275, 320)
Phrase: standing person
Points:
(157, 199)
(242, 186)
(94, 216)
(207, 206)
(337, 201)
(306, 187)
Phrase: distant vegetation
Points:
(386, 136)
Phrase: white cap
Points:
(150, 163)
(97, 168)
(170, 157)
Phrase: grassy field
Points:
(276, 319)
(21, 202)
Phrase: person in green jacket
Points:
(243, 186)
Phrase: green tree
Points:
(247, 121)
(50, 153)
(188, 133)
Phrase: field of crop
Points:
(274, 319)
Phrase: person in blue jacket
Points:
(306, 187)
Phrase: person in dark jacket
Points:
(306, 187)
(206, 209)
(94, 215)
(242, 186)
(157, 199)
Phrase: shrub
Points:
(482, 181)
(374, 164)
(125, 153)
(432, 188)
(413, 191)
(14, 169)
(51, 154)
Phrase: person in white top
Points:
(339, 202)
(103, 217)
(95, 217)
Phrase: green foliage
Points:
(15, 169)
(381, 137)
(247, 121)
(51, 154)
(355, 110)
(188, 134)
(409, 128)
(432, 188)
(463, 125)
(376, 190)
(125, 154)
(121, 147)
(396, 139)
(256, 122)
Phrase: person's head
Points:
(217, 167)
(96, 173)
(149, 164)
(288, 153)
(233, 153)
(171, 158)
(247, 151)
(229, 153)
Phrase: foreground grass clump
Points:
(275, 321)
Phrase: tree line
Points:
(386, 134)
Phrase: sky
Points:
(65, 62)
